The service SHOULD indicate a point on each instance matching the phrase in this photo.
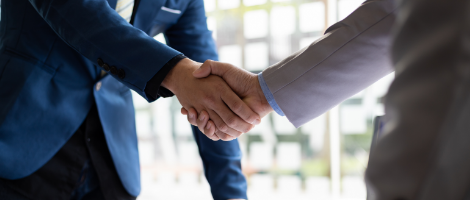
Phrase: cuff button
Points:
(121, 73)
(114, 70)
(100, 62)
(105, 67)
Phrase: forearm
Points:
(176, 76)
(105, 38)
(353, 54)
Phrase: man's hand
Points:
(243, 83)
(230, 115)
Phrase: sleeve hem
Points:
(269, 96)
(154, 88)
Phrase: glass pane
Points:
(280, 47)
(353, 119)
(231, 54)
(312, 16)
(316, 129)
(282, 20)
(288, 156)
(182, 127)
(255, 24)
(262, 183)
(256, 56)
(212, 26)
(142, 120)
(288, 185)
(346, 7)
(254, 2)
(282, 125)
(209, 5)
(261, 156)
(228, 4)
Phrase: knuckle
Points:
(222, 127)
(236, 134)
(190, 121)
(225, 137)
(237, 107)
(252, 118)
(245, 130)
(209, 99)
(200, 122)
(232, 122)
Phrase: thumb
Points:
(203, 71)
(211, 67)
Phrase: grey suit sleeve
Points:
(352, 54)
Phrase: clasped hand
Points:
(239, 90)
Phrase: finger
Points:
(221, 126)
(230, 119)
(209, 129)
(202, 121)
(223, 136)
(192, 116)
(214, 137)
(240, 108)
(204, 70)
(184, 111)
(211, 67)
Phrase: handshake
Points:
(222, 100)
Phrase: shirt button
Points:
(88, 139)
(98, 86)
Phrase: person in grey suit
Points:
(423, 152)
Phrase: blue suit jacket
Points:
(48, 72)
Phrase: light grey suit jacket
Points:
(352, 54)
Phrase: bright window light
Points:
(228, 4)
(254, 2)
(256, 56)
(255, 24)
(312, 16)
(231, 54)
(282, 20)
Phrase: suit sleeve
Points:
(96, 31)
(190, 34)
(352, 54)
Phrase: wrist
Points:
(181, 72)
(262, 98)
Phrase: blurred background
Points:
(324, 159)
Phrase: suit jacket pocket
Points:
(164, 19)
(168, 15)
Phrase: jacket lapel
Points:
(112, 3)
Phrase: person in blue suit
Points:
(67, 127)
